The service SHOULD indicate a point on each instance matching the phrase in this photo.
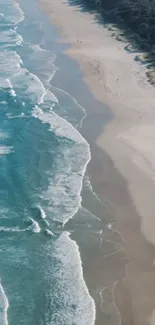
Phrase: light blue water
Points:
(43, 159)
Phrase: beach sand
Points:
(123, 159)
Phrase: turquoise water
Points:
(43, 159)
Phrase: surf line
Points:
(4, 305)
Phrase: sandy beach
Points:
(123, 162)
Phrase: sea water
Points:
(43, 159)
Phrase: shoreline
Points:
(127, 176)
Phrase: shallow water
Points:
(43, 159)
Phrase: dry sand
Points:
(117, 79)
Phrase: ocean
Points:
(43, 159)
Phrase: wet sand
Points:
(121, 169)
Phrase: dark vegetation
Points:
(136, 17)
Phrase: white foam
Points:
(28, 86)
(4, 305)
(88, 184)
(50, 100)
(42, 212)
(20, 11)
(9, 65)
(13, 93)
(36, 111)
(22, 115)
(80, 108)
(63, 194)
(9, 38)
(62, 128)
(109, 226)
(43, 61)
(71, 284)
(90, 215)
(40, 52)
(34, 227)
(49, 232)
(5, 150)
(11, 11)
(47, 223)
(14, 229)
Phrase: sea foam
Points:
(28, 86)
(63, 193)
(34, 227)
(43, 62)
(9, 65)
(78, 307)
(42, 212)
(4, 305)
(11, 11)
(5, 150)
(10, 39)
